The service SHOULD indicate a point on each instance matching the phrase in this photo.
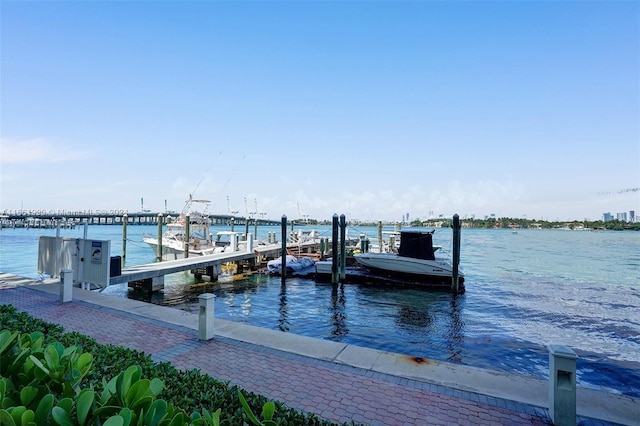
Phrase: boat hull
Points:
(392, 263)
(171, 251)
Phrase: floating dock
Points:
(355, 274)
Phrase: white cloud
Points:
(38, 151)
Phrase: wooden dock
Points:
(151, 275)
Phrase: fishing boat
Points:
(414, 259)
(189, 231)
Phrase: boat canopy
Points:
(418, 245)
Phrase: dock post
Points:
(380, 242)
(187, 234)
(283, 256)
(125, 219)
(232, 222)
(456, 253)
(206, 316)
(66, 285)
(58, 244)
(159, 256)
(322, 248)
(250, 244)
(334, 250)
(343, 246)
(562, 385)
(255, 227)
(246, 226)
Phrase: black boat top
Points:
(416, 244)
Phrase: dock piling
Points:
(159, 255)
(343, 246)
(334, 250)
(455, 281)
(187, 234)
(283, 270)
(125, 219)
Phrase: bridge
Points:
(46, 219)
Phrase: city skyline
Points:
(371, 109)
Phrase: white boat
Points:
(415, 259)
(200, 242)
(292, 264)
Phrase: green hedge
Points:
(191, 390)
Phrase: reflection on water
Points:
(282, 322)
(524, 291)
(456, 332)
(338, 315)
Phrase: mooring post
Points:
(66, 285)
(334, 250)
(380, 242)
(456, 253)
(255, 227)
(206, 316)
(187, 234)
(232, 221)
(246, 226)
(159, 256)
(343, 246)
(283, 256)
(125, 220)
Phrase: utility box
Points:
(562, 385)
(206, 316)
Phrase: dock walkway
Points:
(337, 382)
(158, 269)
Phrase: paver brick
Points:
(331, 391)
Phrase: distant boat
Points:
(415, 259)
(200, 241)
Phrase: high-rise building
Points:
(607, 217)
(632, 216)
(622, 217)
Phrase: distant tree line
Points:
(500, 223)
(515, 223)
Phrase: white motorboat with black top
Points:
(415, 259)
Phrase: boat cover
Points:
(418, 245)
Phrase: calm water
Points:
(524, 291)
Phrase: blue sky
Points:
(371, 109)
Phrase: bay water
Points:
(524, 291)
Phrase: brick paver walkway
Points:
(332, 391)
